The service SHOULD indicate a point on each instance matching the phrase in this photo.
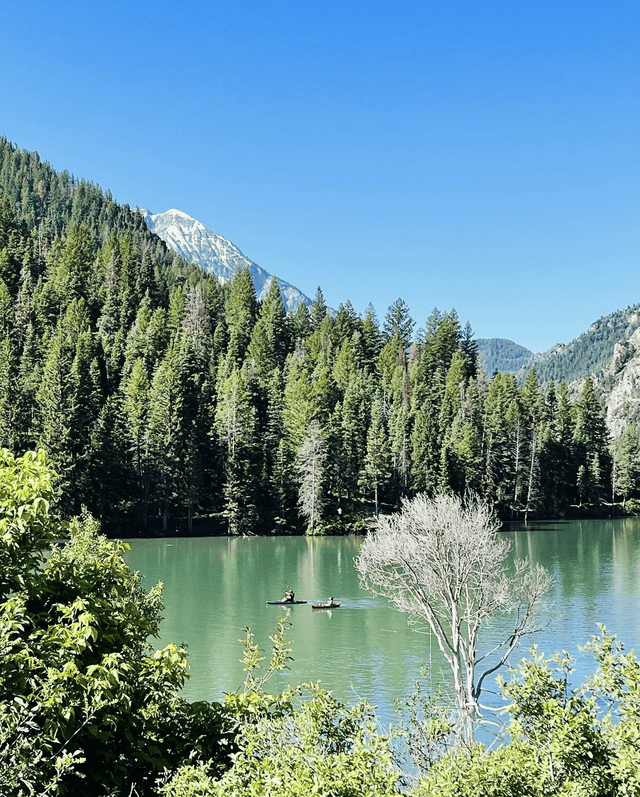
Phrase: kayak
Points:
(333, 605)
(284, 603)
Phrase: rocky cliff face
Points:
(620, 385)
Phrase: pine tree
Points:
(376, 469)
(459, 447)
(369, 342)
(401, 450)
(85, 400)
(278, 459)
(237, 432)
(269, 342)
(398, 322)
(28, 379)
(344, 366)
(240, 314)
(53, 412)
(351, 426)
(469, 348)
(442, 341)
(318, 310)
(591, 443)
(135, 404)
(532, 410)
(109, 467)
(627, 463)
(453, 395)
(502, 440)
(67, 402)
(300, 401)
(301, 323)
(195, 324)
(197, 478)
(71, 267)
(397, 397)
(7, 393)
(177, 305)
(346, 324)
(319, 346)
(166, 435)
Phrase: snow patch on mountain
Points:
(189, 238)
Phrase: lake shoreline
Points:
(215, 527)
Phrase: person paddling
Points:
(289, 595)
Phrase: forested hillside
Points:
(169, 402)
(590, 352)
(498, 354)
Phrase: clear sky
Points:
(482, 156)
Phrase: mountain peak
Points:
(176, 212)
(189, 238)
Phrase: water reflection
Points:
(216, 587)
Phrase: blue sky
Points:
(477, 156)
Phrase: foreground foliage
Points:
(300, 742)
(582, 741)
(316, 746)
(86, 705)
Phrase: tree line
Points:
(167, 401)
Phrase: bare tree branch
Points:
(441, 561)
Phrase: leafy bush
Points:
(583, 742)
(86, 705)
(316, 746)
(300, 742)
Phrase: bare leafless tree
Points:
(311, 459)
(442, 561)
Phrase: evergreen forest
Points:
(168, 402)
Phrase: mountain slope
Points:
(499, 354)
(196, 243)
(608, 352)
(590, 352)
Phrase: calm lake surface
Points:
(216, 587)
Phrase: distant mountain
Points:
(196, 243)
(609, 352)
(498, 354)
(590, 352)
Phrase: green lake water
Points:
(216, 587)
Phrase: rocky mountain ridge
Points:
(619, 385)
(195, 242)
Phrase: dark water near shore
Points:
(215, 587)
